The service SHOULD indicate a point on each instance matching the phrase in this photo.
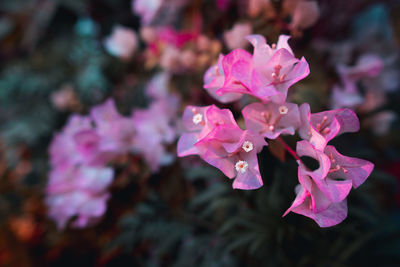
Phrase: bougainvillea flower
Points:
(275, 69)
(154, 127)
(214, 79)
(77, 143)
(320, 128)
(334, 189)
(235, 38)
(200, 121)
(304, 204)
(146, 9)
(78, 191)
(157, 87)
(368, 65)
(304, 14)
(116, 131)
(122, 43)
(345, 98)
(237, 66)
(348, 168)
(234, 152)
(272, 120)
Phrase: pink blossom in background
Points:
(304, 14)
(116, 132)
(122, 43)
(381, 122)
(146, 9)
(78, 191)
(157, 88)
(257, 7)
(235, 37)
(155, 129)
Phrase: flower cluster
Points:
(267, 75)
(79, 175)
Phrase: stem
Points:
(288, 149)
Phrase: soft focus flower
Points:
(235, 38)
(116, 132)
(154, 129)
(381, 122)
(65, 98)
(122, 43)
(304, 14)
(78, 191)
(146, 9)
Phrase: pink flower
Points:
(275, 69)
(78, 191)
(267, 74)
(157, 88)
(272, 120)
(200, 121)
(322, 193)
(116, 132)
(235, 38)
(234, 152)
(304, 14)
(146, 9)
(154, 129)
(305, 204)
(320, 128)
(78, 143)
(122, 43)
(214, 79)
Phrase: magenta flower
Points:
(200, 121)
(116, 132)
(235, 38)
(267, 74)
(305, 204)
(78, 191)
(234, 152)
(335, 190)
(214, 79)
(78, 143)
(275, 69)
(154, 129)
(320, 128)
(272, 120)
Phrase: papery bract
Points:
(272, 120)
(320, 128)
(234, 152)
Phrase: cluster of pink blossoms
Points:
(213, 134)
(80, 155)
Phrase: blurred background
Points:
(61, 57)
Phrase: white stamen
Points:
(247, 146)
(283, 110)
(273, 46)
(197, 118)
(241, 166)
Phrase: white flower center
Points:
(197, 118)
(247, 146)
(283, 110)
(241, 166)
